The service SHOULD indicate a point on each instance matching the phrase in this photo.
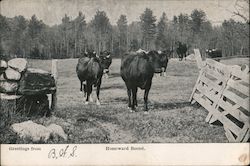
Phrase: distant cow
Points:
(181, 50)
(214, 53)
(105, 56)
(137, 70)
(164, 58)
(91, 69)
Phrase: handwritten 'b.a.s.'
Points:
(66, 152)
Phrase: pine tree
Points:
(161, 41)
(148, 28)
(123, 30)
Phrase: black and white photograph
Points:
(124, 72)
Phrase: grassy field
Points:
(171, 118)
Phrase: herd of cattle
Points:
(137, 70)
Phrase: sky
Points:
(52, 11)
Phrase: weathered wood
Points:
(216, 86)
(239, 87)
(198, 58)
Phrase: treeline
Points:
(34, 39)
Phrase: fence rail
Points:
(224, 91)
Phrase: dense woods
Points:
(32, 38)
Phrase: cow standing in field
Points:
(164, 58)
(214, 53)
(105, 56)
(181, 51)
(91, 69)
(137, 70)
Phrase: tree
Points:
(102, 31)
(161, 40)
(79, 25)
(123, 32)
(35, 27)
(148, 28)
(18, 45)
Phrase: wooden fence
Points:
(223, 90)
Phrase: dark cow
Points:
(105, 56)
(164, 57)
(214, 53)
(137, 70)
(181, 50)
(91, 70)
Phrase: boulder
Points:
(12, 75)
(3, 65)
(19, 64)
(57, 131)
(35, 82)
(37, 132)
(31, 130)
(8, 86)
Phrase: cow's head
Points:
(90, 54)
(105, 61)
(164, 56)
(156, 60)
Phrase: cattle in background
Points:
(181, 50)
(137, 70)
(106, 57)
(141, 50)
(214, 53)
(164, 58)
(90, 69)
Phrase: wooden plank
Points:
(229, 135)
(218, 65)
(198, 59)
(234, 111)
(235, 98)
(216, 74)
(212, 119)
(236, 71)
(223, 119)
(211, 84)
(236, 85)
(243, 134)
(247, 136)
(209, 116)
(194, 89)
(207, 93)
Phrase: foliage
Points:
(31, 38)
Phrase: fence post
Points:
(55, 75)
(198, 58)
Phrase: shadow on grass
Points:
(115, 86)
(173, 105)
(113, 75)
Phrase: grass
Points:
(171, 118)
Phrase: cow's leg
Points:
(89, 90)
(135, 97)
(85, 89)
(98, 92)
(134, 102)
(81, 86)
(146, 96)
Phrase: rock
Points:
(58, 131)
(37, 132)
(12, 75)
(31, 130)
(40, 71)
(35, 82)
(8, 86)
(34, 105)
(3, 65)
(19, 64)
